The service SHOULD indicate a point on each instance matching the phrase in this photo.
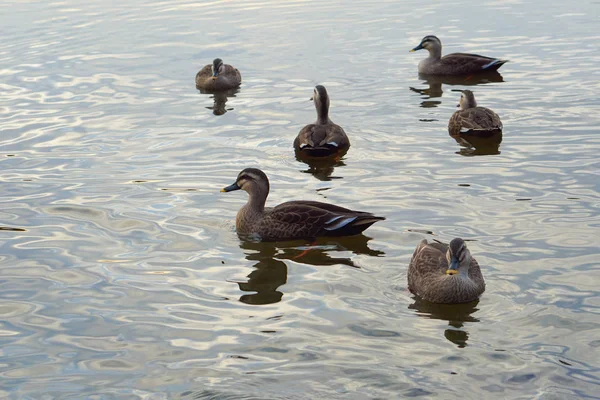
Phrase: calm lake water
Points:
(122, 277)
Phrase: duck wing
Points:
(441, 246)
(479, 119)
(466, 63)
(308, 136)
(488, 119)
(455, 124)
(427, 263)
(232, 73)
(475, 274)
(204, 74)
(311, 219)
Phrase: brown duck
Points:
(473, 119)
(218, 77)
(322, 138)
(455, 63)
(293, 219)
(442, 273)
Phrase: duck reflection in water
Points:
(435, 85)
(322, 169)
(268, 275)
(479, 144)
(455, 314)
(270, 272)
(220, 99)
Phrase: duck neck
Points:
(435, 53)
(471, 103)
(256, 201)
(322, 112)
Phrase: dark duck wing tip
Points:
(493, 65)
(351, 224)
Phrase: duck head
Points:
(251, 180)
(217, 67)
(459, 257)
(467, 100)
(430, 43)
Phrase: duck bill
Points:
(419, 47)
(453, 268)
(231, 188)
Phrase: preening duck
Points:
(218, 76)
(445, 273)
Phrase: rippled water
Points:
(121, 275)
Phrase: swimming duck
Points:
(218, 76)
(455, 63)
(322, 138)
(473, 119)
(293, 219)
(445, 273)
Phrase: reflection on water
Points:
(270, 272)
(220, 99)
(455, 314)
(435, 90)
(318, 252)
(322, 169)
(479, 144)
(13, 229)
(268, 275)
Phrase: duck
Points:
(322, 138)
(445, 273)
(218, 77)
(294, 219)
(471, 119)
(455, 63)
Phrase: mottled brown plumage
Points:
(443, 273)
(294, 219)
(455, 63)
(473, 119)
(323, 138)
(218, 77)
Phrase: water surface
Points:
(121, 275)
